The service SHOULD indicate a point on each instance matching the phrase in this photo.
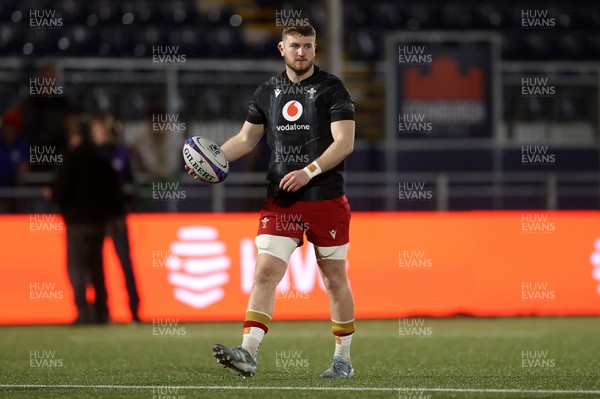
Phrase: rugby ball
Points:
(206, 159)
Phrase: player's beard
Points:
(298, 70)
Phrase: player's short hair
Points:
(302, 30)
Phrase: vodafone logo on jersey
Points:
(292, 110)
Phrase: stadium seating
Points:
(365, 25)
(211, 30)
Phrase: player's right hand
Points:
(191, 172)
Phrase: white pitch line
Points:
(499, 390)
(267, 388)
(198, 387)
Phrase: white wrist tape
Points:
(313, 169)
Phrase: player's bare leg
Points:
(268, 273)
(243, 359)
(341, 301)
(341, 304)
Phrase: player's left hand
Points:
(294, 181)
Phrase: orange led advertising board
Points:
(199, 267)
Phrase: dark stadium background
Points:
(104, 55)
(487, 206)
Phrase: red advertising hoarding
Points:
(199, 267)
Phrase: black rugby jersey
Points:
(297, 119)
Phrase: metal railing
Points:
(243, 191)
(369, 190)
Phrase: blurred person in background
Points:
(43, 114)
(157, 155)
(14, 154)
(87, 193)
(157, 150)
(105, 135)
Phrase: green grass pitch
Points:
(402, 359)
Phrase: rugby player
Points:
(308, 116)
